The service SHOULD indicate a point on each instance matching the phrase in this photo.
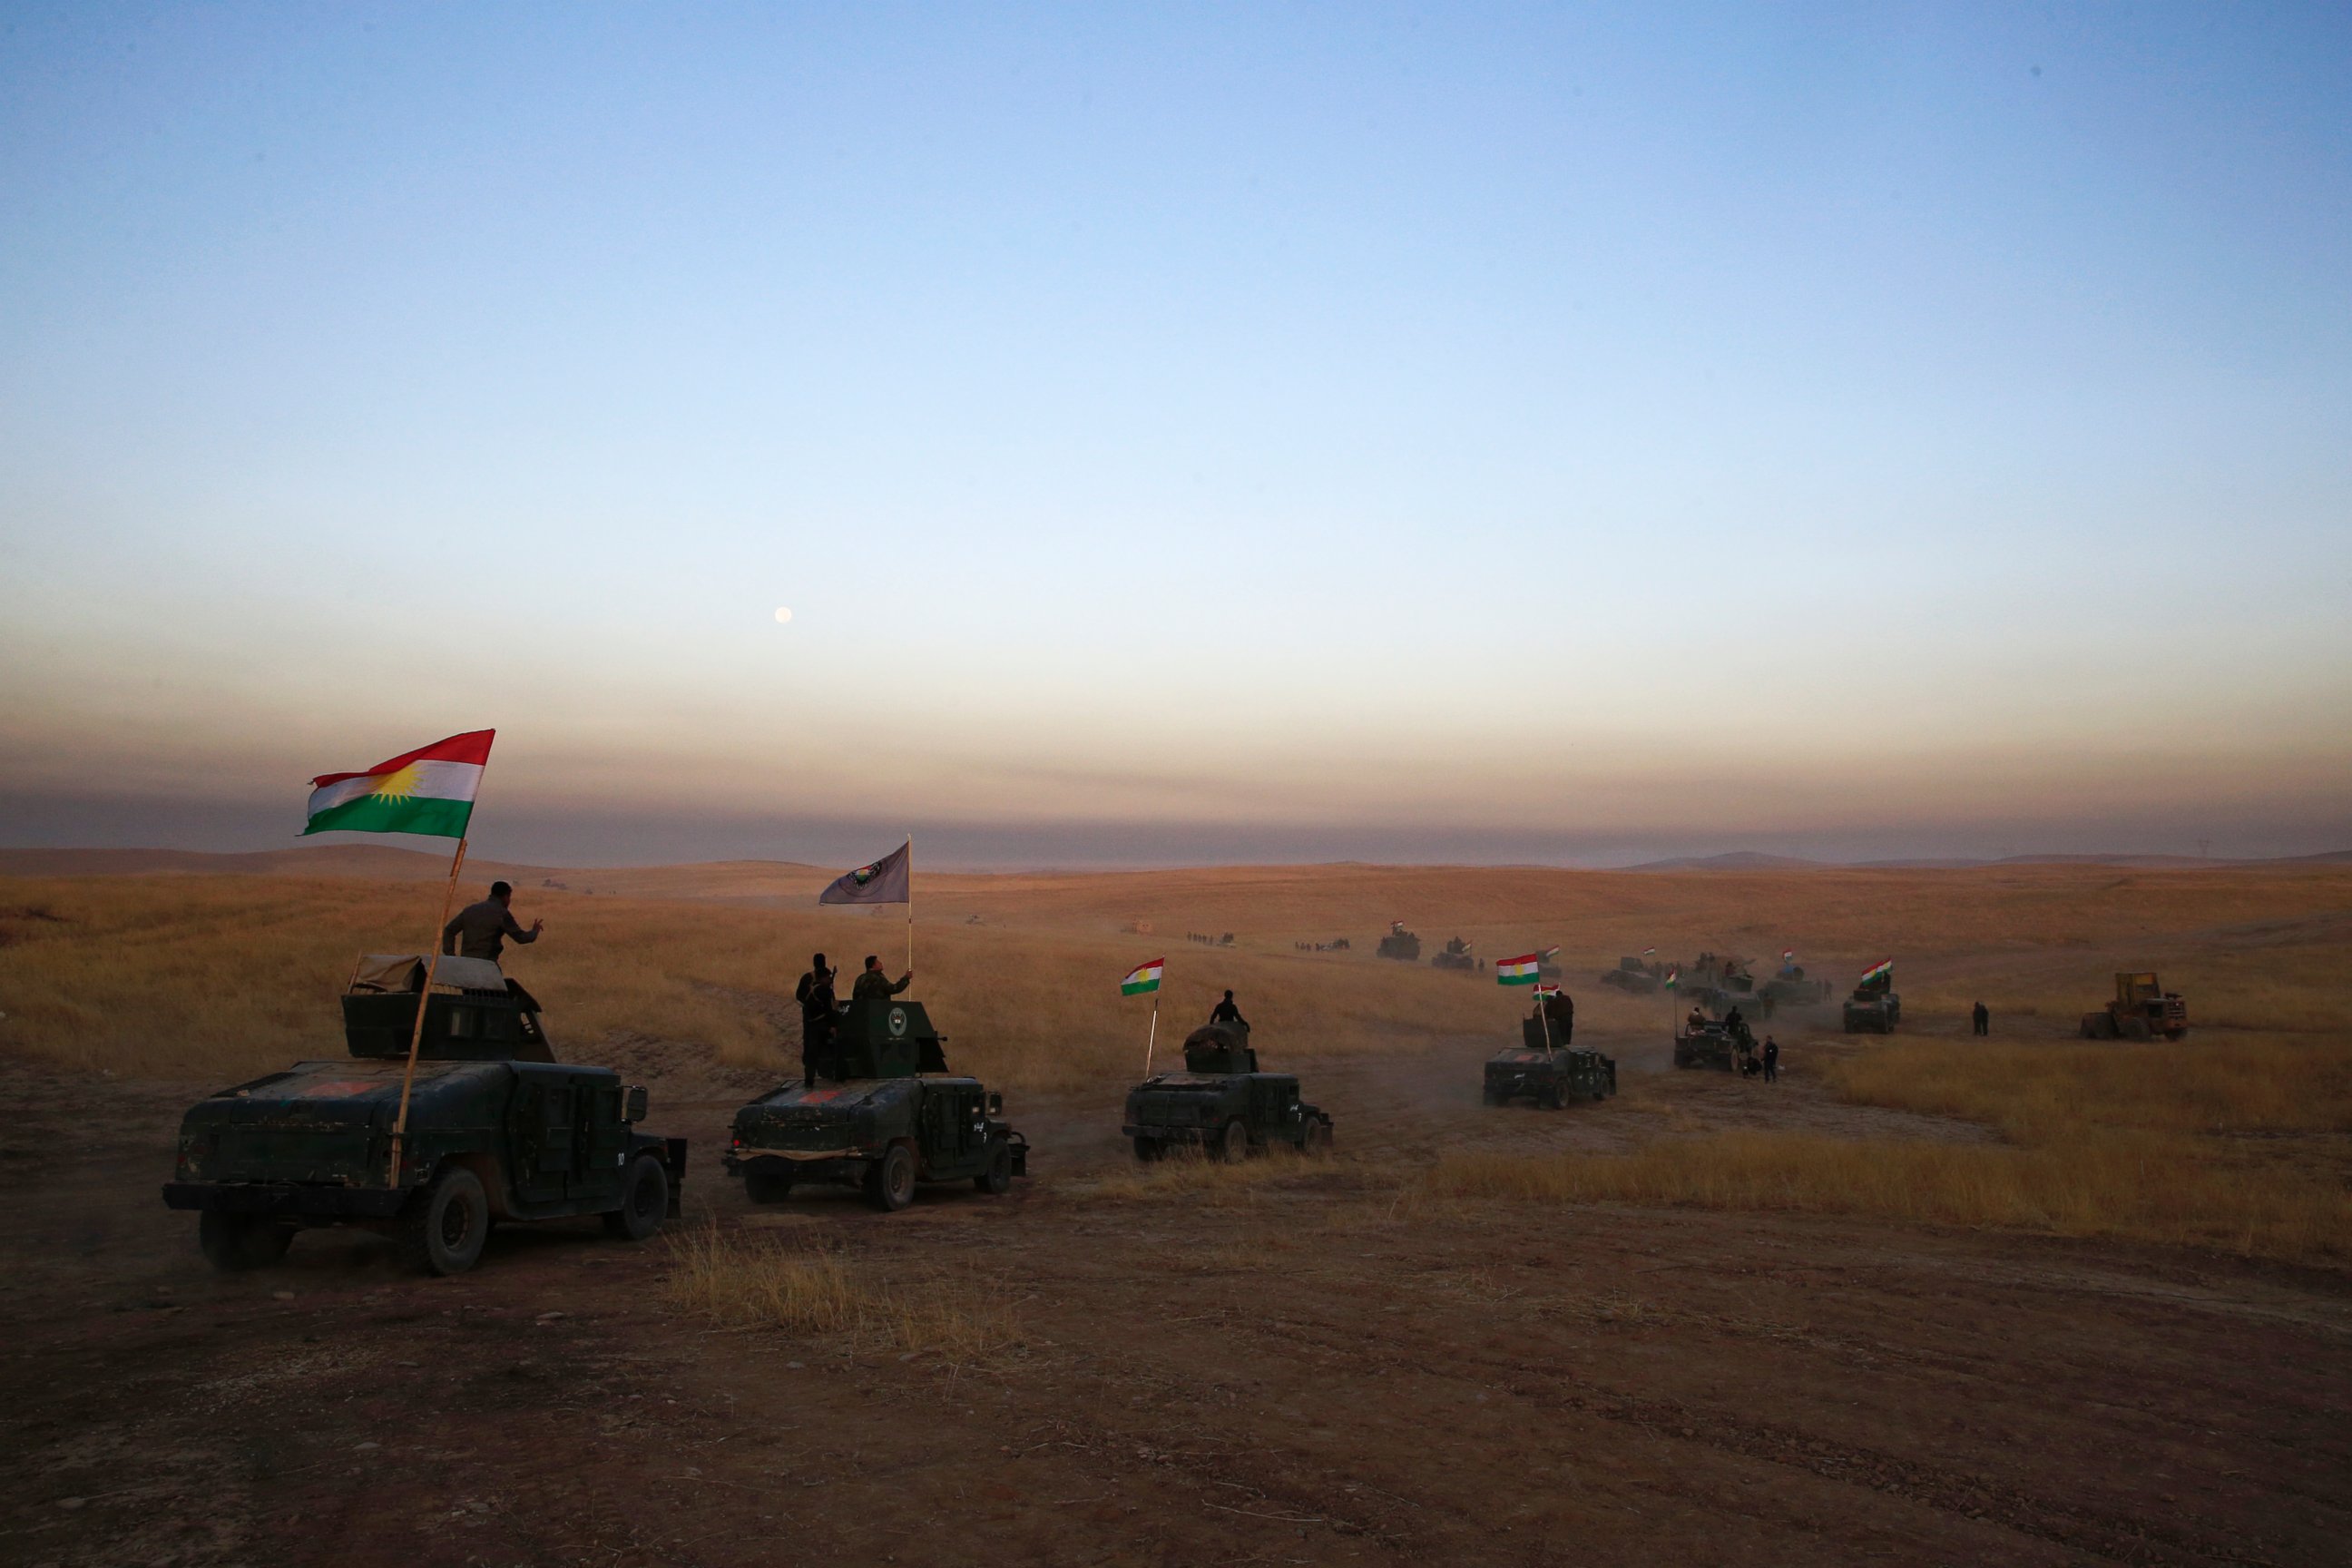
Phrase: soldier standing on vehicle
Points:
(1981, 1016)
(876, 986)
(1559, 1017)
(1225, 1012)
(1771, 1059)
(480, 931)
(815, 994)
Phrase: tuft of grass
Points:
(739, 1282)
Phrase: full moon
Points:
(783, 614)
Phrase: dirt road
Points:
(1318, 1368)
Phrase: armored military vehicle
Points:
(2142, 1010)
(1221, 1104)
(1633, 977)
(1873, 1008)
(1457, 954)
(1542, 1068)
(498, 1130)
(886, 1115)
(1790, 987)
(1706, 1043)
(1400, 943)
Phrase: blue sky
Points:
(1509, 433)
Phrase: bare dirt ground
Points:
(1318, 1368)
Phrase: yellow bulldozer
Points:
(2141, 1011)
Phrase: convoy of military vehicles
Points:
(449, 1113)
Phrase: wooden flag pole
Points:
(424, 1001)
(1152, 1038)
(910, 903)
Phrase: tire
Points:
(446, 1223)
(766, 1186)
(645, 1201)
(997, 1180)
(234, 1243)
(1319, 1138)
(1146, 1148)
(1495, 1097)
(890, 1181)
(1233, 1144)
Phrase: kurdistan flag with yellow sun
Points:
(430, 791)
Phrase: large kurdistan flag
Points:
(429, 791)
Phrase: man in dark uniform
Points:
(1225, 1012)
(815, 996)
(1559, 1017)
(1771, 1059)
(876, 986)
(1982, 1017)
(480, 931)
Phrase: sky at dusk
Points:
(1183, 434)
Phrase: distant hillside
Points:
(1737, 860)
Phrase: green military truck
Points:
(498, 1130)
(1221, 1104)
(1634, 977)
(1543, 1068)
(1711, 1043)
(886, 1115)
(1790, 987)
(1873, 1008)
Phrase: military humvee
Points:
(1873, 1008)
(1221, 1104)
(1400, 943)
(1706, 1043)
(1790, 986)
(498, 1130)
(1632, 976)
(1457, 954)
(1543, 1069)
(875, 1120)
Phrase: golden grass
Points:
(2131, 1185)
(224, 977)
(1183, 1174)
(742, 1282)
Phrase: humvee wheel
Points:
(997, 1180)
(1317, 1140)
(890, 1181)
(645, 1201)
(1232, 1143)
(766, 1186)
(1146, 1148)
(235, 1242)
(1494, 1097)
(446, 1223)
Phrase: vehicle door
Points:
(602, 1138)
(545, 1136)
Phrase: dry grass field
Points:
(2026, 1299)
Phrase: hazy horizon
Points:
(1185, 436)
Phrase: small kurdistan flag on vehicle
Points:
(1672, 975)
(1519, 970)
(1649, 952)
(1788, 954)
(1883, 969)
(1143, 977)
(1546, 989)
(428, 791)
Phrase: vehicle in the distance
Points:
(498, 1130)
(2142, 1010)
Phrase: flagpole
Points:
(1153, 1039)
(910, 903)
(424, 1001)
